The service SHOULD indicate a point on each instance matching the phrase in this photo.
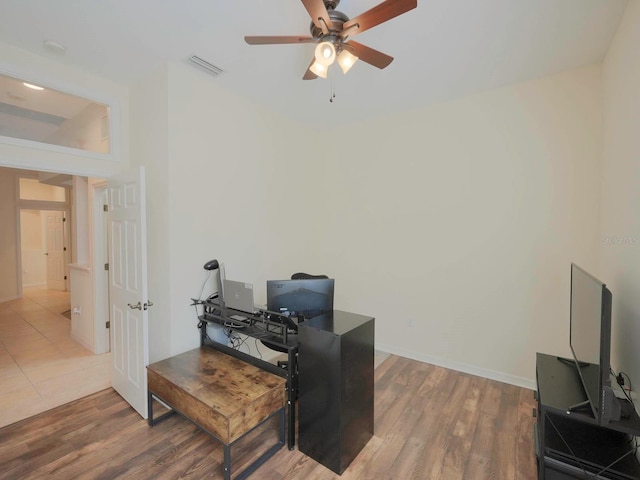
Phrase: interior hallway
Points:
(41, 367)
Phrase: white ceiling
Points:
(443, 49)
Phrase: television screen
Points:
(300, 297)
(590, 335)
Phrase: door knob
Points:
(137, 306)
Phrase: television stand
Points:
(571, 444)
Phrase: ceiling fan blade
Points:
(317, 10)
(369, 55)
(309, 75)
(379, 14)
(272, 40)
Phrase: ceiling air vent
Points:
(206, 66)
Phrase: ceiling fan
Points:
(331, 30)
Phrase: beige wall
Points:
(455, 225)
(31, 228)
(150, 147)
(33, 248)
(239, 186)
(620, 240)
(223, 181)
(9, 288)
(32, 189)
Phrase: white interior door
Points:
(55, 252)
(128, 296)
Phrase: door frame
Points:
(99, 256)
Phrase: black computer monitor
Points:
(308, 298)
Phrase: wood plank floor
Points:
(430, 423)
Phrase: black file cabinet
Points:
(335, 416)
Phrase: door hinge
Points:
(106, 266)
(107, 325)
(64, 219)
(64, 249)
(105, 208)
(65, 277)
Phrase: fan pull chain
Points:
(332, 92)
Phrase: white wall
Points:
(455, 225)
(82, 307)
(620, 241)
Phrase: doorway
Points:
(47, 366)
(45, 248)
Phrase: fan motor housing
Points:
(337, 20)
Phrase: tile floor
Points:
(41, 366)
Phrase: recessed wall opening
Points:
(38, 113)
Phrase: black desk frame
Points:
(261, 329)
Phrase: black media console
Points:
(571, 445)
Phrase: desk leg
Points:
(150, 408)
(292, 390)
(154, 421)
(226, 461)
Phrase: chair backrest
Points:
(306, 276)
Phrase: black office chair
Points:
(306, 276)
(278, 348)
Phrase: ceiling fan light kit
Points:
(331, 30)
(319, 69)
(346, 60)
(325, 53)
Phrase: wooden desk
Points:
(259, 328)
(221, 394)
(335, 363)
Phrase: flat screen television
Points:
(308, 298)
(590, 341)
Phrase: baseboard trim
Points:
(460, 367)
(8, 299)
(82, 342)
